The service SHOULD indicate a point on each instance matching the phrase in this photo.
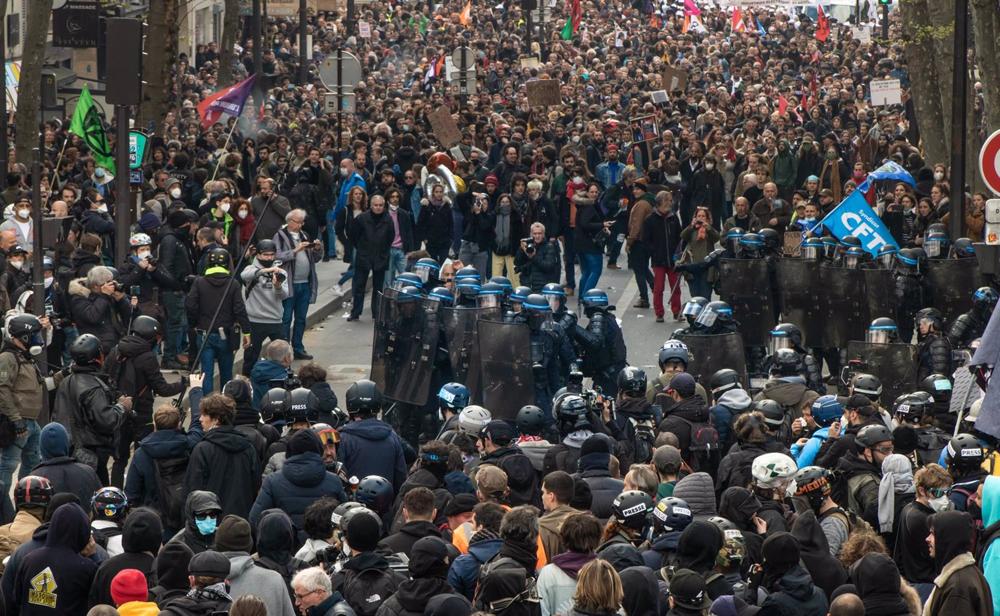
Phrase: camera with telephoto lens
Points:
(529, 246)
(574, 383)
(119, 287)
(290, 382)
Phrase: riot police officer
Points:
(544, 351)
(692, 308)
(934, 354)
(556, 296)
(715, 318)
(886, 257)
(789, 336)
(601, 343)
(970, 325)
(466, 292)
(963, 249)
(409, 326)
(936, 244)
(909, 290)
(882, 330)
(427, 271)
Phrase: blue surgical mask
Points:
(206, 526)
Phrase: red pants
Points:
(659, 273)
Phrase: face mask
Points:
(207, 526)
(709, 166)
(143, 255)
(938, 176)
(102, 208)
(23, 214)
(48, 281)
(343, 172)
(831, 156)
(175, 192)
(224, 207)
(265, 262)
(576, 139)
(16, 264)
(941, 503)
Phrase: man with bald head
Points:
(772, 211)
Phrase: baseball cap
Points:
(688, 590)
(499, 431)
(683, 383)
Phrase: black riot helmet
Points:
(731, 240)
(873, 434)
(812, 249)
(963, 249)
(530, 420)
(274, 406)
(715, 312)
(936, 244)
(571, 413)
(23, 327)
(785, 362)
(303, 405)
(518, 297)
(886, 256)
(692, 308)
(266, 246)
(913, 407)
(671, 514)
(772, 241)
(363, 398)
(751, 246)
(427, 270)
(907, 261)
(86, 350)
(147, 328)
(631, 509)
(882, 330)
(854, 257)
(984, 300)
(217, 257)
(555, 295)
(930, 317)
(490, 295)
(784, 336)
(723, 380)
(536, 308)
(814, 484)
(964, 454)
(632, 381)
(504, 283)
(443, 295)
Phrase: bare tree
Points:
(985, 26)
(926, 85)
(29, 89)
(230, 31)
(161, 54)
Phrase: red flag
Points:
(782, 105)
(465, 17)
(737, 24)
(822, 25)
(805, 103)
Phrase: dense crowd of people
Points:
(742, 479)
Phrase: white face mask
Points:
(48, 281)
(938, 176)
(241, 214)
(224, 207)
(175, 192)
(102, 208)
(143, 254)
(941, 503)
(16, 264)
(343, 172)
(23, 213)
(709, 166)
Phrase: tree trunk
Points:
(942, 33)
(230, 30)
(158, 66)
(29, 90)
(924, 82)
(985, 26)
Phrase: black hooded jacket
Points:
(877, 580)
(522, 479)
(814, 551)
(225, 463)
(275, 546)
(697, 550)
(679, 418)
(412, 596)
(65, 576)
(141, 538)
(198, 500)
(133, 367)
(642, 597)
(739, 505)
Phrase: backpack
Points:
(367, 590)
(505, 588)
(103, 535)
(170, 490)
(704, 444)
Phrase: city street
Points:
(345, 348)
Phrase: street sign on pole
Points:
(989, 162)
(350, 70)
(136, 148)
(463, 58)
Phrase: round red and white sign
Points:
(989, 162)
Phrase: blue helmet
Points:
(504, 283)
(520, 294)
(536, 302)
(455, 396)
(442, 294)
(826, 410)
(408, 279)
(594, 298)
(554, 288)
(408, 294)
(468, 273)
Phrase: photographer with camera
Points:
(99, 306)
(175, 252)
(15, 276)
(141, 277)
(477, 234)
(215, 307)
(89, 408)
(537, 260)
(265, 288)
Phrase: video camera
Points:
(848, 372)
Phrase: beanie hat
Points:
(363, 532)
(781, 552)
(129, 585)
(304, 441)
(595, 443)
(491, 178)
(58, 500)
(448, 605)
(54, 441)
(142, 532)
(172, 564)
(234, 535)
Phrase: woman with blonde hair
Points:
(598, 590)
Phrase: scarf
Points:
(897, 478)
(215, 592)
(501, 231)
(525, 554)
(571, 562)
(484, 534)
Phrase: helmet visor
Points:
(691, 309)
(851, 261)
(776, 343)
(879, 336)
(933, 248)
(488, 301)
(810, 253)
(423, 273)
(706, 318)
(554, 302)
(887, 259)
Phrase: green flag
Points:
(567, 31)
(87, 124)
